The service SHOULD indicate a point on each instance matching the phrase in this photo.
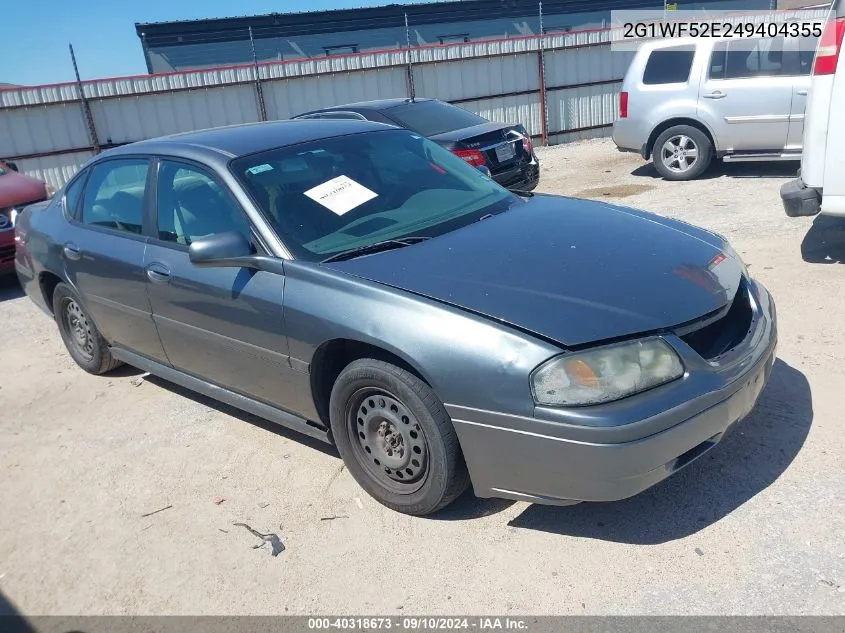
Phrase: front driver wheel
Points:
(81, 337)
(396, 438)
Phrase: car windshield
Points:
(348, 192)
(430, 118)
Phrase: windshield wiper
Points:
(377, 247)
(522, 194)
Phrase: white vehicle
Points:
(820, 187)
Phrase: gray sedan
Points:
(365, 286)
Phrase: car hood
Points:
(572, 271)
(17, 189)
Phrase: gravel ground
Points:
(755, 527)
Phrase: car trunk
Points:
(501, 144)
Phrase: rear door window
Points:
(745, 59)
(114, 195)
(806, 53)
(669, 66)
(430, 118)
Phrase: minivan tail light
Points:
(830, 44)
(623, 105)
(472, 156)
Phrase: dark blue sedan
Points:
(363, 285)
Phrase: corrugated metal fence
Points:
(561, 86)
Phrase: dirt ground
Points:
(755, 527)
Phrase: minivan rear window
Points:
(669, 65)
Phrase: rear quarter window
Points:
(669, 66)
(73, 193)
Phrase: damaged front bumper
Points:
(542, 460)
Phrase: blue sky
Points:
(36, 33)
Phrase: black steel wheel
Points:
(387, 440)
(81, 337)
(396, 438)
(76, 324)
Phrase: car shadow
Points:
(261, 423)
(785, 169)
(125, 371)
(748, 460)
(824, 243)
(12, 620)
(10, 288)
(466, 507)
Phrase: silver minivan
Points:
(684, 101)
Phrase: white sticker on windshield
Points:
(258, 169)
(340, 195)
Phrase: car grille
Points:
(724, 334)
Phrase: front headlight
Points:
(605, 374)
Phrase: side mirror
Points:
(219, 250)
(13, 166)
(230, 250)
(485, 170)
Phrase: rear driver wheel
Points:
(682, 153)
(81, 337)
(396, 438)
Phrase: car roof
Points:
(378, 104)
(239, 140)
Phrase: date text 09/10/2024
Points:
(417, 623)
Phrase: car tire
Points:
(396, 438)
(81, 337)
(672, 153)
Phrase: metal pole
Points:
(541, 60)
(259, 91)
(410, 77)
(86, 107)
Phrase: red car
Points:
(16, 191)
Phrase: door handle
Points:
(72, 251)
(803, 93)
(158, 273)
(716, 94)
